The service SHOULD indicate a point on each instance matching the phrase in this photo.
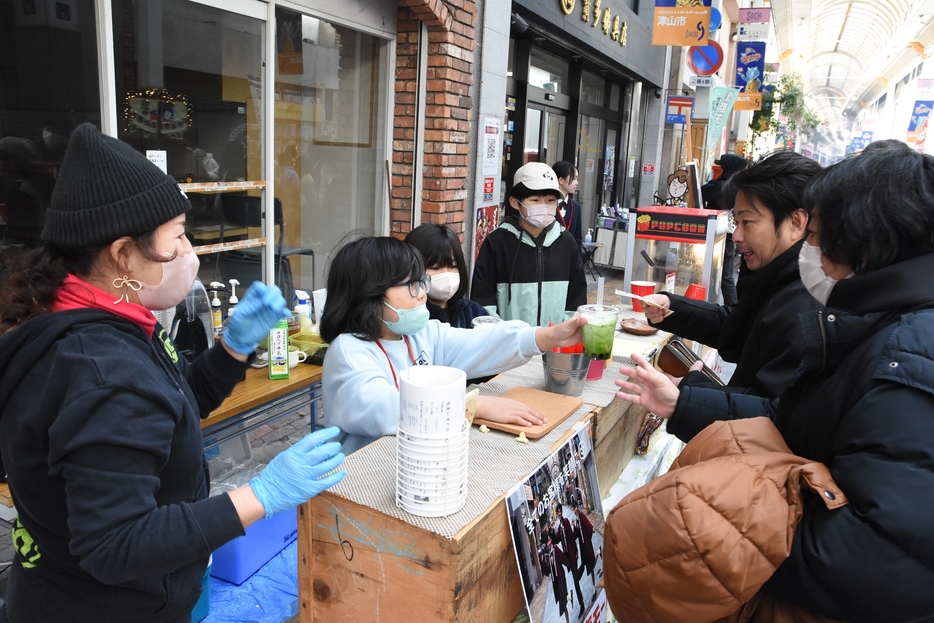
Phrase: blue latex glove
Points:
(259, 310)
(295, 475)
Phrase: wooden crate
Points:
(616, 428)
(364, 565)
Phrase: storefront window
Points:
(592, 87)
(548, 72)
(57, 42)
(590, 156)
(614, 97)
(189, 84)
(330, 137)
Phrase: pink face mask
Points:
(178, 275)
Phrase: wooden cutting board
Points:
(555, 407)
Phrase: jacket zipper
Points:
(541, 274)
(823, 337)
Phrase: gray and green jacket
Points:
(537, 280)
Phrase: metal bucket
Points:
(565, 373)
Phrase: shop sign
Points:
(757, 14)
(598, 14)
(488, 188)
(752, 32)
(672, 225)
(648, 169)
(590, 164)
(681, 25)
(750, 65)
(919, 115)
(632, 166)
(158, 158)
(679, 107)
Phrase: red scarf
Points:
(77, 294)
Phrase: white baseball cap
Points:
(537, 176)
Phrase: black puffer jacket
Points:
(758, 334)
(862, 402)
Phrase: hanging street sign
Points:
(750, 65)
(701, 81)
(679, 107)
(681, 25)
(715, 19)
(705, 60)
(758, 14)
(752, 32)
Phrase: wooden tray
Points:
(637, 327)
(555, 407)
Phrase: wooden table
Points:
(257, 400)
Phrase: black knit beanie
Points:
(106, 190)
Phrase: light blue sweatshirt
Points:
(360, 396)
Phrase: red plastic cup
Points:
(595, 371)
(641, 288)
(696, 292)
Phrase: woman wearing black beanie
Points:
(99, 417)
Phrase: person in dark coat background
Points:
(758, 333)
(584, 533)
(569, 544)
(729, 164)
(554, 562)
(862, 401)
(569, 210)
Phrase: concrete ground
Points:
(271, 439)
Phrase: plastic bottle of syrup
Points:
(217, 312)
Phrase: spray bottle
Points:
(303, 309)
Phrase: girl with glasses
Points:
(377, 324)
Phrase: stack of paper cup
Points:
(432, 440)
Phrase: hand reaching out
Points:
(648, 387)
(654, 314)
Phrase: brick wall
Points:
(452, 30)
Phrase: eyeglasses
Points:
(423, 283)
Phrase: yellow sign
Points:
(567, 6)
(748, 101)
(681, 26)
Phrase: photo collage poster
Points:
(556, 520)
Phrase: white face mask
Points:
(443, 286)
(541, 215)
(815, 280)
(178, 275)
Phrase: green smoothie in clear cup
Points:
(599, 331)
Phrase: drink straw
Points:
(600, 291)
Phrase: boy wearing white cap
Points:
(529, 268)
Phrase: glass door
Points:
(189, 80)
(544, 135)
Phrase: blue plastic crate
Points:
(239, 559)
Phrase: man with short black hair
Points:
(758, 333)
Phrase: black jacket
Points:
(758, 334)
(100, 436)
(535, 280)
(572, 222)
(862, 402)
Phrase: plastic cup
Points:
(595, 370)
(599, 331)
(696, 292)
(641, 288)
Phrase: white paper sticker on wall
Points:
(158, 158)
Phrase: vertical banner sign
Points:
(919, 115)
(721, 105)
(289, 42)
(487, 221)
(681, 25)
(750, 65)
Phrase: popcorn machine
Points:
(676, 247)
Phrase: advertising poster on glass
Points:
(557, 524)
